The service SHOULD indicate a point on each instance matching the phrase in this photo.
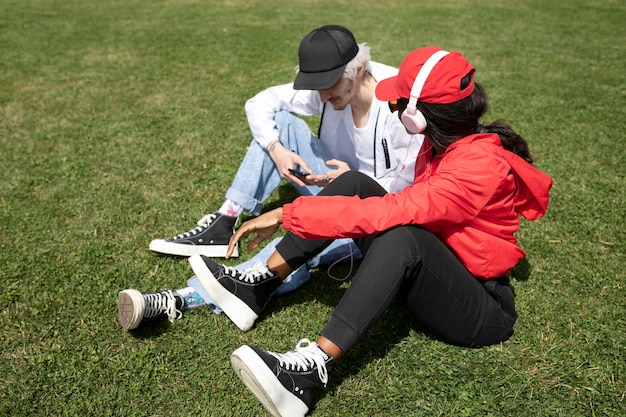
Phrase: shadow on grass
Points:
(151, 328)
(521, 271)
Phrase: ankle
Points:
(278, 264)
(230, 208)
(329, 348)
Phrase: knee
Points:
(411, 241)
(347, 184)
(406, 233)
(283, 118)
(350, 177)
(402, 241)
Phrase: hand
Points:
(324, 179)
(265, 226)
(284, 159)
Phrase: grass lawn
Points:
(123, 121)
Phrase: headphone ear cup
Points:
(414, 123)
(413, 119)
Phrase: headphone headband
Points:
(421, 77)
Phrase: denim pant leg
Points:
(257, 176)
(194, 283)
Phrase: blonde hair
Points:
(361, 59)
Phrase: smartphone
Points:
(298, 174)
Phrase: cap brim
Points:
(318, 80)
(386, 89)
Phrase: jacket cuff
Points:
(287, 216)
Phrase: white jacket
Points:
(389, 158)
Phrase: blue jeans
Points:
(257, 177)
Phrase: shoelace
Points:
(207, 220)
(162, 302)
(253, 274)
(203, 223)
(303, 358)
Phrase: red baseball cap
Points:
(443, 85)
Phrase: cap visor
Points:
(317, 80)
(386, 89)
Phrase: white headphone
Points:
(413, 119)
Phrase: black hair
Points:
(447, 123)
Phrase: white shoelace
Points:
(207, 220)
(162, 302)
(253, 274)
(203, 223)
(303, 358)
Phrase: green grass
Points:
(122, 121)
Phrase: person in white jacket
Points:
(335, 79)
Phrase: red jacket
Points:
(469, 197)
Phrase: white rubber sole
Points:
(130, 306)
(265, 385)
(236, 310)
(181, 249)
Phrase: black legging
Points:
(413, 265)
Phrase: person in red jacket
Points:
(444, 246)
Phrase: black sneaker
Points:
(241, 295)
(284, 383)
(210, 238)
(133, 307)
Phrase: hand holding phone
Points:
(299, 174)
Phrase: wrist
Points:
(279, 215)
(272, 145)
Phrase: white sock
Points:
(230, 208)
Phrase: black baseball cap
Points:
(324, 54)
